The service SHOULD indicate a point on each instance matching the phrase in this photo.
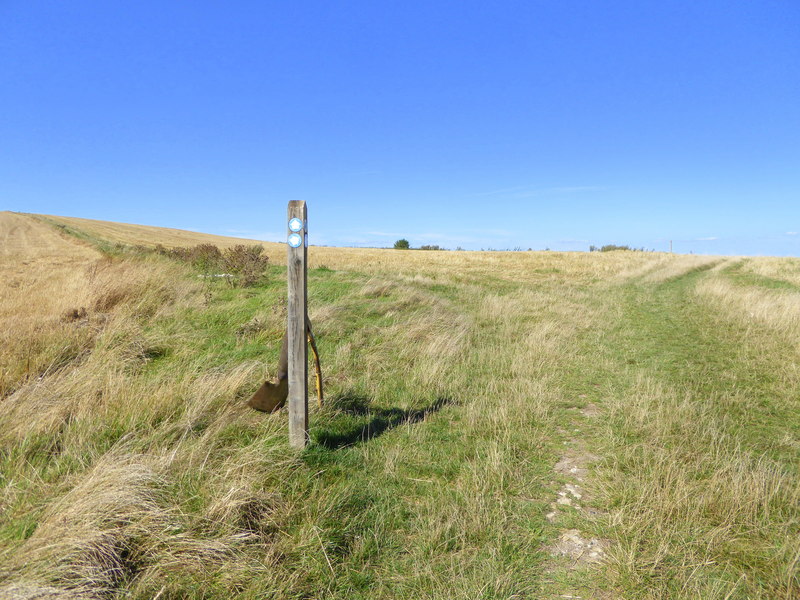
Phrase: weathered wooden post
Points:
(297, 243)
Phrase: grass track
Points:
(700, 447)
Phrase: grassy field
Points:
(497, 424)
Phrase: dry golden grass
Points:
(699, 406)
(34, 263)
(476, 267)
(26, 240)
(786, 269)
(146, 235)
(678, 266)
(777, 309)
(52, 312)
(44, 275)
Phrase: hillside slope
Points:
(497, 425)
(147, 235)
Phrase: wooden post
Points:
(297, 243)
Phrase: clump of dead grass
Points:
(116, 529)
(95, 537)
(118, 525)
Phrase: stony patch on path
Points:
(575, 550)
(581, 550)
(575, 463)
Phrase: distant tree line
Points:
(402, 244)
(612, 247)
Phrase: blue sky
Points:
(557, 123)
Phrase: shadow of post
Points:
(380, 420)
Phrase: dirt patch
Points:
(575, 464)
(591, 411)
(582, 551)
(572, 550)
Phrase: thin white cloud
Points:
(706, 239)
(791, 233)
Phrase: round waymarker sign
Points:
(295, 240)
(295, 224)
